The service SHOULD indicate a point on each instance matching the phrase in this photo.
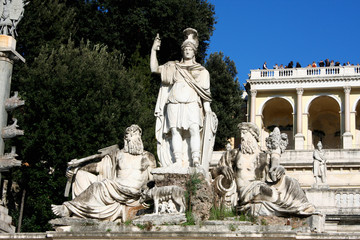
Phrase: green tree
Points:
(81, 97)
(127, 24)
(226, 93)
(45, 22)
(78, 100)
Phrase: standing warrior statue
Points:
(319, 164)
(183, 107)
(12, 12)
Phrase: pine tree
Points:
(80, 97)
(226, 93)
(127, 24)
(78, 100)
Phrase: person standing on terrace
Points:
(290, 65)
(265, 66)
(327, 63)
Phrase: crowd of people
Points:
(321, 63)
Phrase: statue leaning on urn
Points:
(281, 195)
(185, 124)
(102, 190)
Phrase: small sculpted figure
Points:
(183, 107)
(102, 190)
(165, 193)
(224, 182)
(276, 144)
(282, 197)
(11, 12)
(11, 130)
(171, 207)
(163, 207)
(319, 168)
(13, 102)
(8, 160)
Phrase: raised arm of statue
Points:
(154, 65)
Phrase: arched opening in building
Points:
(357, 126)
(278, 112)
(324, 122)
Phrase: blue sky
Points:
(253, 31)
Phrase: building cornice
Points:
(306, 78)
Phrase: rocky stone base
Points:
(191, 178)
(160, 219)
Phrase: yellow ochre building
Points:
(309, 104)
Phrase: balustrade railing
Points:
(267, 73)
(313, 72)
(347, 200)
(329, 71)
(285, 73)
(305, 72)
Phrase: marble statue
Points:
(319, 168)
(228, 146)
(225, 184)
(281, 197)
(172, 207)
(162, 208)
(11, 12)
(104, 189)
(185, 124)
(173, 197)
(276, 144)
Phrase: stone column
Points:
(6, 66)
(347, 136)
(299, 137)
(7, 57)
(253, 105)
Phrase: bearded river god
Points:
(272, 195)
(183, 107)
(102, 190)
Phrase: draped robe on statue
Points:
(284, 196)
(180, 103)
(319, 168)
(288, 199)
(107, 194)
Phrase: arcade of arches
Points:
(323, 117)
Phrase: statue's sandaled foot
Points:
(60, 210)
